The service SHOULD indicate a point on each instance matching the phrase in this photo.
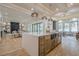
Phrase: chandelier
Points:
(44, 17)
(34, 14)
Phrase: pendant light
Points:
(34, 13)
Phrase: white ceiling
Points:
(22, 11)
(9, 12)
(64, 10)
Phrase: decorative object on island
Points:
(7, 27)
(48, 29)
(23, 27)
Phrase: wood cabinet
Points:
(57, 39)
(46, 43)
(77, 35)
(41, 45)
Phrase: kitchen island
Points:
(40, 44)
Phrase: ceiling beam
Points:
(45, 8)
(15, 7)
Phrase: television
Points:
(14, 26)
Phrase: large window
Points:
(60, 26)
(36, 28)
(29, 28)
(73, 26)
(69, 25)
(66, 27)
(41, 28)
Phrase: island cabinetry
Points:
(47, 43)
(57, 39)
(44, 44)
(41, 45)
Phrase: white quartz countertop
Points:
(41, 34)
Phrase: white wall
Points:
(9, 15)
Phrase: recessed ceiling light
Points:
(57, 9)
(32, 9)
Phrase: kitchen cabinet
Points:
(40, 45)
(47, 43)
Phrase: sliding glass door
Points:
(74, 27)
(66, 27)
(36, 28)
(60, 27)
